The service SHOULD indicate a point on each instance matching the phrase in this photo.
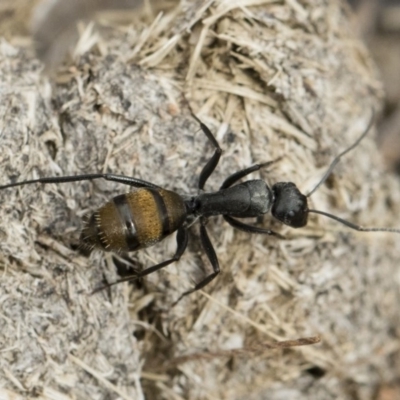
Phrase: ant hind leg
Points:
(181, 240)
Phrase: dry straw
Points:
(270, 79)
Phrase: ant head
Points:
(290, 205)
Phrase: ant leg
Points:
(126, 180)
(210, 252)
(213, 161)
(230, 180)
(250, 228)
(181, 241)
(124, 265)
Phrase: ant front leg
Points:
(250, 228)
(212, 256)
(213, 161)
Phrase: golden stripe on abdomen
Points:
(145, 216)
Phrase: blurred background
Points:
(51, 24)
(378, 23)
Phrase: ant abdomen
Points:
(134, 220)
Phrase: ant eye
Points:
(290, 205)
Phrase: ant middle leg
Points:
(209, 168)
(231, 179)
(211, 255)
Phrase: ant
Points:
(145, 216)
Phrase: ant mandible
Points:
(145, 216)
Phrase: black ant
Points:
(144, 217)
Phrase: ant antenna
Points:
(329, 171)
(337, 158)
(354, 226)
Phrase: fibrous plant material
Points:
(271, 79)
